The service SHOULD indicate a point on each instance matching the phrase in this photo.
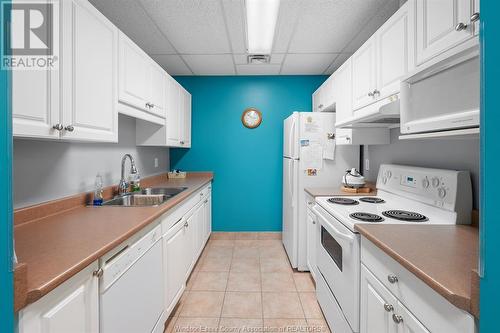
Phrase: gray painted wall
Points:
(47, 170)
(455, 154)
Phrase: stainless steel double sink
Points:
(151, 196)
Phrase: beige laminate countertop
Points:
(445, 257)
(56, 247)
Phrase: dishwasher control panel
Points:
(119, 263)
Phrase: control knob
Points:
(435, 182)
(441, 192)
(425, 182)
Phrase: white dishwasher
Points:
(131, 287)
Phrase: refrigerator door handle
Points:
(291, 143)
(290, 182)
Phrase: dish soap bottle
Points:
(135, 182)
(98, 191)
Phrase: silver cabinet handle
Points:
(58, 127)
(320, 106)
(186, 224)
(182, 142)
(474, 17)
(392, 278)
(461, 26)
(348, 138)
(376, 92)
(314, 222)
(388, 307)
(152, 105)
(98, 273)
(206, 201)
(69, 128)
(370, 94)
(397, 318)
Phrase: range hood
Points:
(384, 113)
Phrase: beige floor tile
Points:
(275, 265)
(246, 235)
(310, 305)
(242, 305)
(318, 326)
(190, 281)
(210, 281)
(270, 243)
(216, 264)
(169, 325)
(222, 235)
(277, 282)
(285, 325)
(269, 235)
(201, 304)
(245, 265)
(246, 243)
(193, 325)
(218, 252)
(273, 252)
(303, 282)
(221, 242)
(248, 281)
(178, 307)
(246, 252)
(239, 325)
(282, 305)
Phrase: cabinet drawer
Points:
(433, 310)
(172, 217)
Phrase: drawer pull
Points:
(388, 307)
(397, 318)
(392, 278)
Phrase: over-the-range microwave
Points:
(443, 97)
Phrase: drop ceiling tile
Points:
(267, 69)
(375, 22)
(240, 59)
(339, 60)
(234, 14)
(210, 64)
(306, 63)
(327, 26)
(172, 63)
(130, 18)
(277, 58)
(192, 26)
(287, 18)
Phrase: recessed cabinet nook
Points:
(422, 38)
(80, 99)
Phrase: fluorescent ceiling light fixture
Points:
(261, 23)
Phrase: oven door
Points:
(338, 256)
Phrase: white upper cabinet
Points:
(343, 91)
(90, 88)
(441, 25)
(85, 83)
(186, 119)
(174, 129)
(323, 98)
(363, 74)
(141, 82)
(395, 51)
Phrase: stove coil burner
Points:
(343, 201)
(403, 215)
(367, 217)
(374, 200)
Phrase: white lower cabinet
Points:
(71, 307)
(207, 230)
(312, 237)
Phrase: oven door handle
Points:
(348, 238)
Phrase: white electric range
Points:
(405, 195)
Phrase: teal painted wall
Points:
(490, 159)
(6, 282)
(247, 163)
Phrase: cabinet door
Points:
(186, 120)
(476, 24)
(395, 51)
(71, 307)
(343, 88)
(437, 26)
(196, 228)
(316, 100)
(90, 86)
(311, 243)
(363, 75)
(377, 305)
(173, 114)
(158, 90)
(134, 75)
(409, 323)
(176, 261)
(208, 217)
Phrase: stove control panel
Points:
(447, 189)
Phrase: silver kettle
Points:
(353, 179)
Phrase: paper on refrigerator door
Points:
(329, 151)
(311, 156)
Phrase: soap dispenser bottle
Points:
(98, 199)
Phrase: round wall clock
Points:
(251, 118)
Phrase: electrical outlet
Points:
(367, 164)
(156, 162)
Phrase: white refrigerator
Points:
(310, 159)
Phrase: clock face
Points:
(251, 118)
